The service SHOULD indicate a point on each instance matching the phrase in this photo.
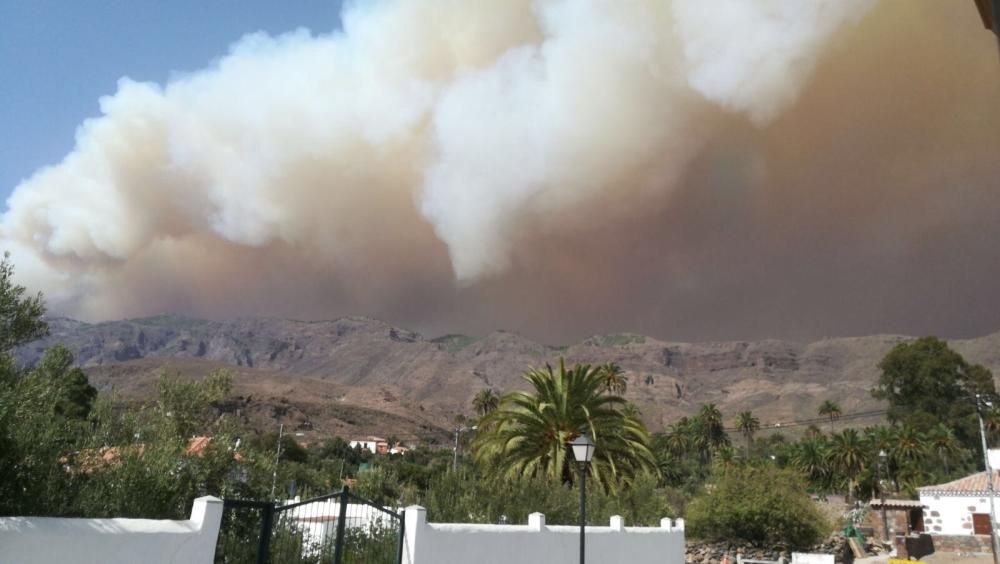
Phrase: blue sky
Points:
(58, 57)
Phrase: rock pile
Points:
(715, 552)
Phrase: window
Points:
(981, 524)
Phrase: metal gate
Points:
(339, 528)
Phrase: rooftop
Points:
(973, 484)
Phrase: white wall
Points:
(536, 543)
(811, 558)
(30, 540)
(952, 515)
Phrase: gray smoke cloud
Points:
(560, 167)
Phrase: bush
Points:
(758, 504)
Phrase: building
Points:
(378, 445)
(374, 445)
(956, 514)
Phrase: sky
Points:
(687, 170)
(60, 57)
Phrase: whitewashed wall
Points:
(811, 558)
(45, 540)
(537, 543)
(952, 515)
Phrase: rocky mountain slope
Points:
(358, 375)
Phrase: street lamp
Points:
(583, 452)
(454, 458)
(881, 493)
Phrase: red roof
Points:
(976, 483)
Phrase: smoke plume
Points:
(554, 166)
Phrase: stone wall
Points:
(961, 543)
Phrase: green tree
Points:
(811, 457)
(615, 380)
(942, 442)
(187, 403)
(831, 410)
(926, 383)
(530, 432)
(747, 425)
(486, 401)
(848, 455)
(679, 438)
(761, 504)
(21, 317)
(711, 434)
(66, 387)
(812, 431)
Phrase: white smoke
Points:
(352, 157)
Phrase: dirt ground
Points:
(956, 558)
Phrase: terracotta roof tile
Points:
(974, 483)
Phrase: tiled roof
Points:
(976, 483)
(897, 504)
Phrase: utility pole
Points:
(881, 495)
(980, 402)
(454, 455)
(277, 457)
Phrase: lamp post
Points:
(981, 402)
(583, 452)
(454, 457)
(881, 494)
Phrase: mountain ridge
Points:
(424, 383)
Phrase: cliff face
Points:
(362, 375)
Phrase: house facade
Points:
(374, 445)
(956, 514)
(960, 507)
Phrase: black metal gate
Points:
(339, 528)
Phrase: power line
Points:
(812, 421)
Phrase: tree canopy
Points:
(529, 433)
(21, 316)
(757, 503)
(926, 383)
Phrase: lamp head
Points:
(583, 449)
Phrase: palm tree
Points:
(848, 455)
(909, 447)
(529, 433)
(811, 457)
(748, 425)
(632, 410)
(615, 380)
(991, 421)
(812, 432)
(831, 410)
(711, 434)
(725, 457)
(942, 442)
(485, 401)
(679, 437)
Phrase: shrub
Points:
(758, 504)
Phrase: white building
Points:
(318, 520)
(374, 445)
(961, 507)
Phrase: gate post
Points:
(264, 544)
(402, 538)
(341, 522)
